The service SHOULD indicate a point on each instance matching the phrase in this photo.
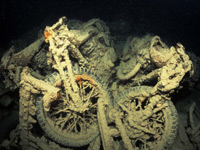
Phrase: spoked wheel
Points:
(147, 129)
(72, 123)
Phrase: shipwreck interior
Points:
(99, 75)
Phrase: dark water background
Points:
(173, 20)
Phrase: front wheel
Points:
(69, 123)
(147, 126)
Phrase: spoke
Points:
(69, 127)
(157, 120)
(91, 118)
(66, 100)
(94, 105)
(84, 122)
(134, 102)
(59, 111)
(75, 129)
(132, 107)
(81, 92)
(86, 87)
(90, 94)
(124, 108)
(95, 93)
(91, 115)
(59, 121)
(74, 125)
(82, 127)
(66, 119)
